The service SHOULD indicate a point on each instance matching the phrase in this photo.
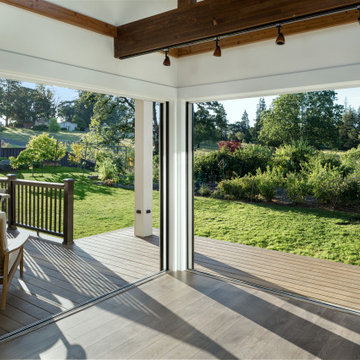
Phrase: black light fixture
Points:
(167, 61)
(217, 51)
(280, 40)
(359, 14)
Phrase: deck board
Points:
(323, 280)
(57, 278)
(168, 318)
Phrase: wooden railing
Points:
(40, 206)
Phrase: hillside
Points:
(20, 137)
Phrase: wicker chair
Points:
(11, 256)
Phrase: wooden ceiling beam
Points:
(59, 13)
(185, 3)
(211, 18)
(344, 18)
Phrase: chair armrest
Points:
(16, 244)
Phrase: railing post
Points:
(11, 202)
(68, 212)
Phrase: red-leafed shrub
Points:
(231, 145)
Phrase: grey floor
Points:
(189, 315)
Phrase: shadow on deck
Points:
(58, 278)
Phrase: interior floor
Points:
(190, 315)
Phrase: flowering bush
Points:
(231, 145)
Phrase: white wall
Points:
(36, 48)
(324, 59)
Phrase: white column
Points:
(143, 168)
(177, 187)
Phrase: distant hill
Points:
(20, 137)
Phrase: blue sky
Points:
(234, 108)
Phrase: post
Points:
(143, 168)
(11, 202)
(68, 212)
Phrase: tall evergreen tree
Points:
(255, 130)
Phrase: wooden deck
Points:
(187, 315)
(57, 278)
(323, 280)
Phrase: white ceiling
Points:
(118, 12)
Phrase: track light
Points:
(280, 40)
(217, 51)
(167, 61)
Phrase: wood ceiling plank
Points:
(59, 13)
(211, 18)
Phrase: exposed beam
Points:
(211, 18)
(347, 17)
(185, 3)
(65, 15)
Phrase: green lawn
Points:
(97, 209)
(24, 135)
(324, 234)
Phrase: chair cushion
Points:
(3, 235)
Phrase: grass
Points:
(97, 209)
(325, 234)
(24, 135)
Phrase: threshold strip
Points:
(77, 308)
(277, 292)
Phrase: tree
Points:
(349, 129)
(39, 149)
(113, 118)
(240, 131)
(281, 123)
(8, 98)
(255, 131)
(53, 125)
(210, 122)
(311, 117)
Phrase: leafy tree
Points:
(53, 125)
(113, 118)
(39, 149)
(349, 129)
(281, 123)
(210, 123)
(311, 117)
(8, 97)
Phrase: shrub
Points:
(223, 164)
(291, 158)
(250, 158)
(39, 149)
(351, 160)
(107, 171)
(266, 183)
(238, 188)
(204, 190)
(296, 187)
(327, 184)
(231, 145)
(352, 189)
(42, 127)
(211, 167)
